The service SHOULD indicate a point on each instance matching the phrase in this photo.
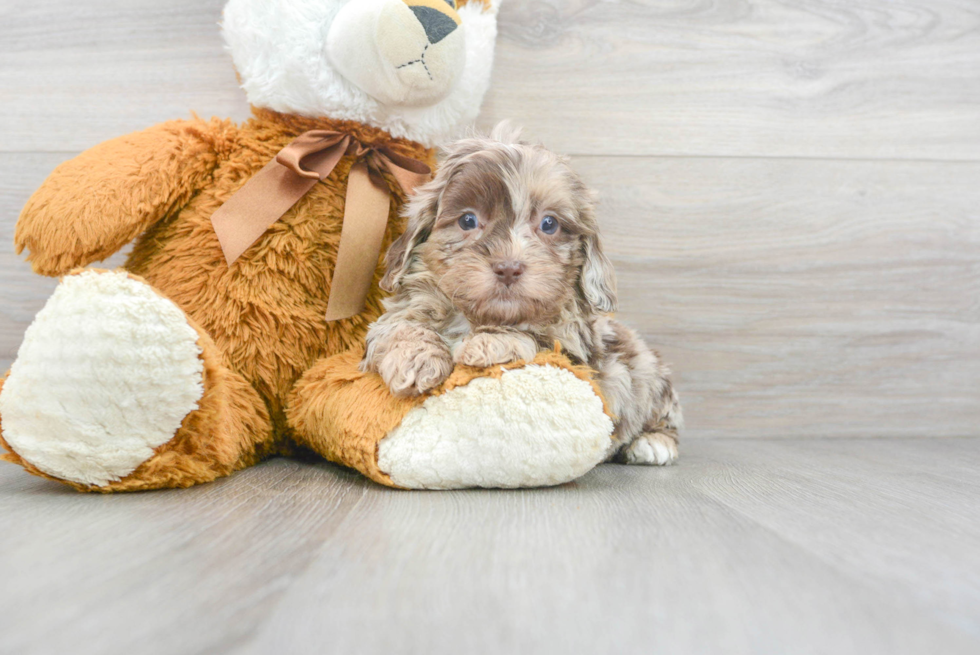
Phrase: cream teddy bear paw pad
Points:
(534, 426)
(107, 372)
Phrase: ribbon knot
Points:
(308, 159)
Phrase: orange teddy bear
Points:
(257, 258)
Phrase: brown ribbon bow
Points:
(310, 158)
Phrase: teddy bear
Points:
(232, 332)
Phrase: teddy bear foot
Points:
(107, 373)
(533, 426)
(519, 425)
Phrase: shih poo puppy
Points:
(501, 258)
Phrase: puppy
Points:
(501, 257)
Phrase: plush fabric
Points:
(181, 368)
(277, 46)
(266, 311)
(227, 427)
(519, 424)
(79, 432)
(417, 46)
(534, 426)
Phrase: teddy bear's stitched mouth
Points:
(420, 60)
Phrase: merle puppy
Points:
(501, 258)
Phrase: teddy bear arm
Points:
(94, 204)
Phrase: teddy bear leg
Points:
(534, 425)
(115, 389)
(342, 413)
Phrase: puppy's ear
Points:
(597, 281)
(421, 211)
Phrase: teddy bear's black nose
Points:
(437, 25)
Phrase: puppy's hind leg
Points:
(655, 448)
(656, 445)
(636, 385)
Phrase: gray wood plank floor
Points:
(746, 546)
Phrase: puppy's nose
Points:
(508, 272)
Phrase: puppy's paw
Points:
(651, 449)
(410, 368)
(491, 347)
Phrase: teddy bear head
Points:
(417, 69)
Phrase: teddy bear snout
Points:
(400, 52)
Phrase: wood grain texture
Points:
(746, 546)
(803, 298)
(806, 78)
(815, 78)
(75, 74)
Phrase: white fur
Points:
(535, 426)
(279, 49)
(652, 449)
(373, 43)
(107, 372)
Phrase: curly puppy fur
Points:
(501, 258)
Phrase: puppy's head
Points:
(507, 231)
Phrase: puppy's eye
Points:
(468, 221)
(549, 224)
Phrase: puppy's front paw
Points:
(410, 368)
(488, 348)
(652, 449)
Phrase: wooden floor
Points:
(747, 546)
